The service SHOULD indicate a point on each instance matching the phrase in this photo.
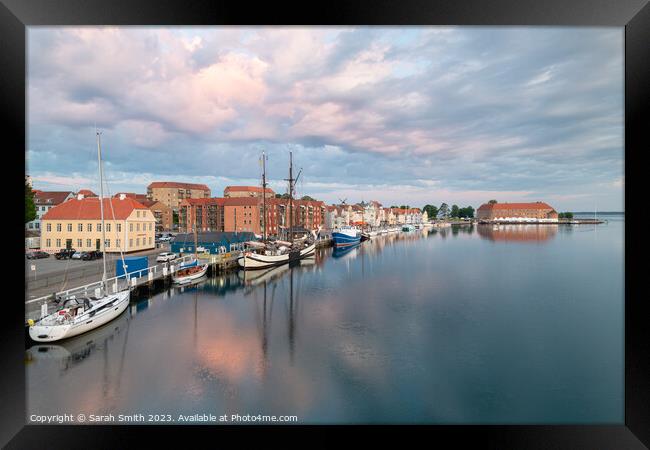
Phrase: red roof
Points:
(88, 209)
(509, 206)
(87, 193)
(174, 184)
(246, 189)
(51, 197)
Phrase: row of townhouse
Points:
(371, 214)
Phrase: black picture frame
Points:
(634, 15)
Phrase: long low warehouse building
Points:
(213, 242)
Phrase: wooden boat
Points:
(278, 252)
(188, 274)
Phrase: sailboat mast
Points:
(196, 240)
(291, 196)
(263, 196)
(101, 203)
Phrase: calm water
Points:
(520, 324)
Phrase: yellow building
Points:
(130, 226)
(171, 193)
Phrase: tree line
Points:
(445, 212)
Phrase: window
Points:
(137, 242)
(89, 243)
(69, 227)
(38, 225)
(137, 214)
(99, 227)
(49, 228)
(108, 227)
(58, 242)
(107, 243)
(48, 242)
(137, 226)
(58, 227)
(80, 227)
(80, 243)
(117, 242)
(130, 243)
(90, 227)
(149, 241)
(150, 228)
(119, 227)
(130, 227)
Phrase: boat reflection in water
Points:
(350, 252)
(370, 334)
(518, 233)
(70, 353)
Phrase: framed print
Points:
(419, 215)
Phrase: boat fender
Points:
(30, 322)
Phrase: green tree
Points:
(281, 195)
(466, 212)
(565, 215)
(492, 202)
(306, 197)
(431, 211)
(30, 208)
(454, 211)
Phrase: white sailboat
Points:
(77, 315)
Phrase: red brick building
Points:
(245, 214)
(517, 212)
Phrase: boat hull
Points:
(50, 333)
(254, 261)
(345, 240)
(191, 277)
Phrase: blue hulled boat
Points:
(346, 236)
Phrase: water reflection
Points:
(406, 327)
(518, 233)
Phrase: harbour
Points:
(399, 327)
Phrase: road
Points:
(49, 273)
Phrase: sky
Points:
(402, 115)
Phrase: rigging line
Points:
(108, 190)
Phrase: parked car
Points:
(37, 254)
(77, 255)
(88, 256)
(166, 256)
(65, 253)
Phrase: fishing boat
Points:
(268, 254)
(408, 227)
(77, 315)
(191, 271)
(346, 236)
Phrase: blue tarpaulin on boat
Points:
(192, 263)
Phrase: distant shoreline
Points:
(604, 213)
